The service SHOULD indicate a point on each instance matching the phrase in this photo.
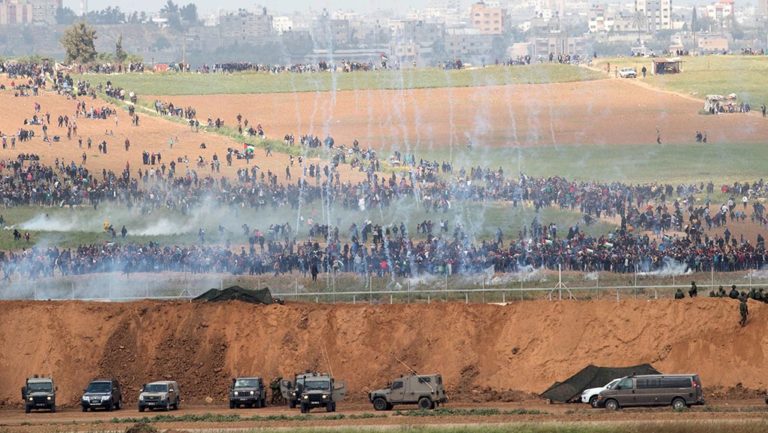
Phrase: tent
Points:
(237, 293)
(591, 376)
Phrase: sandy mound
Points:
(478, 348)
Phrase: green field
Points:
(251, 82)
(629, 164)
(84, 225)
(706, 75)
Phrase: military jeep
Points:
(426, 390)
(313, 390)
(39, 393)
(248, 392)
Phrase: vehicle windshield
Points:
(156, 387)
(40, 387)
(246, 383)
(317, 385)
(99, 387)
(611, 384)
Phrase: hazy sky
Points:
(278, 6)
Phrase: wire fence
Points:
(373, 289)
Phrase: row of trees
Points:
(79, 42)
(178, 17)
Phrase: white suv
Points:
(627, 73)
(590, 395)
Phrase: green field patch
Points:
(257, 82)
(706, 75)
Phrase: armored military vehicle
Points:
(39, 393)
(248, 392)
(426, 390)
(311, 390)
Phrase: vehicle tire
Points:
(176, 405)
(167, 406)
(292, 404)
(141, 408)
(111, 406)
(593, 401)
(380, 404)
(264, 402)
(258, 404)
(27, 409)
(231, 404)
(679, 404)
(425, 403)
(118, 405)
(304, 408)
(85, 409)
(53, 409)
(612, 404)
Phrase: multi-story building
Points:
(762, 8)
(282, 24)
(245, 27)
(467, 44)
(40, 12)
(657, 14)
(487, 19)
(330, 33)
(720, 12)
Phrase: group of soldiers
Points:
(742, 297)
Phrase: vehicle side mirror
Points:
(170, 390)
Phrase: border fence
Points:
(345, 288)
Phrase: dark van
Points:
(677, 390)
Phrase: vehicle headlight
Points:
(306, 397)
(141, 398)
(236, 394)
(105, 398)
(49, 397)
(85, 398)
(251, 392)
(30, 399)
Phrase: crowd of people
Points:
(680, 221)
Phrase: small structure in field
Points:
(667, 66)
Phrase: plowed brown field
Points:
(481, 350)
(151, 136)
(593, 112)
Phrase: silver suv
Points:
(164, 394)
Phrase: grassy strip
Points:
(229, 418)
(253, 83)
(468, 412)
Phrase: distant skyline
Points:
(274, 6)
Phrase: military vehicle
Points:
(102, 393)
(39, 393)
(164, 394)
(426, 390)
(248, 392)
(313, 390)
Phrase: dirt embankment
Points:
(481, 350)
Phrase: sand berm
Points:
(481, 350)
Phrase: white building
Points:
(720, 12)
(657, 13)
(282, 24)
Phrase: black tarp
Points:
(591, 376)
(237, 293)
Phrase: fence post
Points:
(617, 295)
(466, 298)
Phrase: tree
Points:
(65, 16)
(189, 14)
(170, 11)
(120, 54)
(79, 43)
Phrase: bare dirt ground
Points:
(361, 414)
(481, 350)
(152, 136)
(595, 112)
